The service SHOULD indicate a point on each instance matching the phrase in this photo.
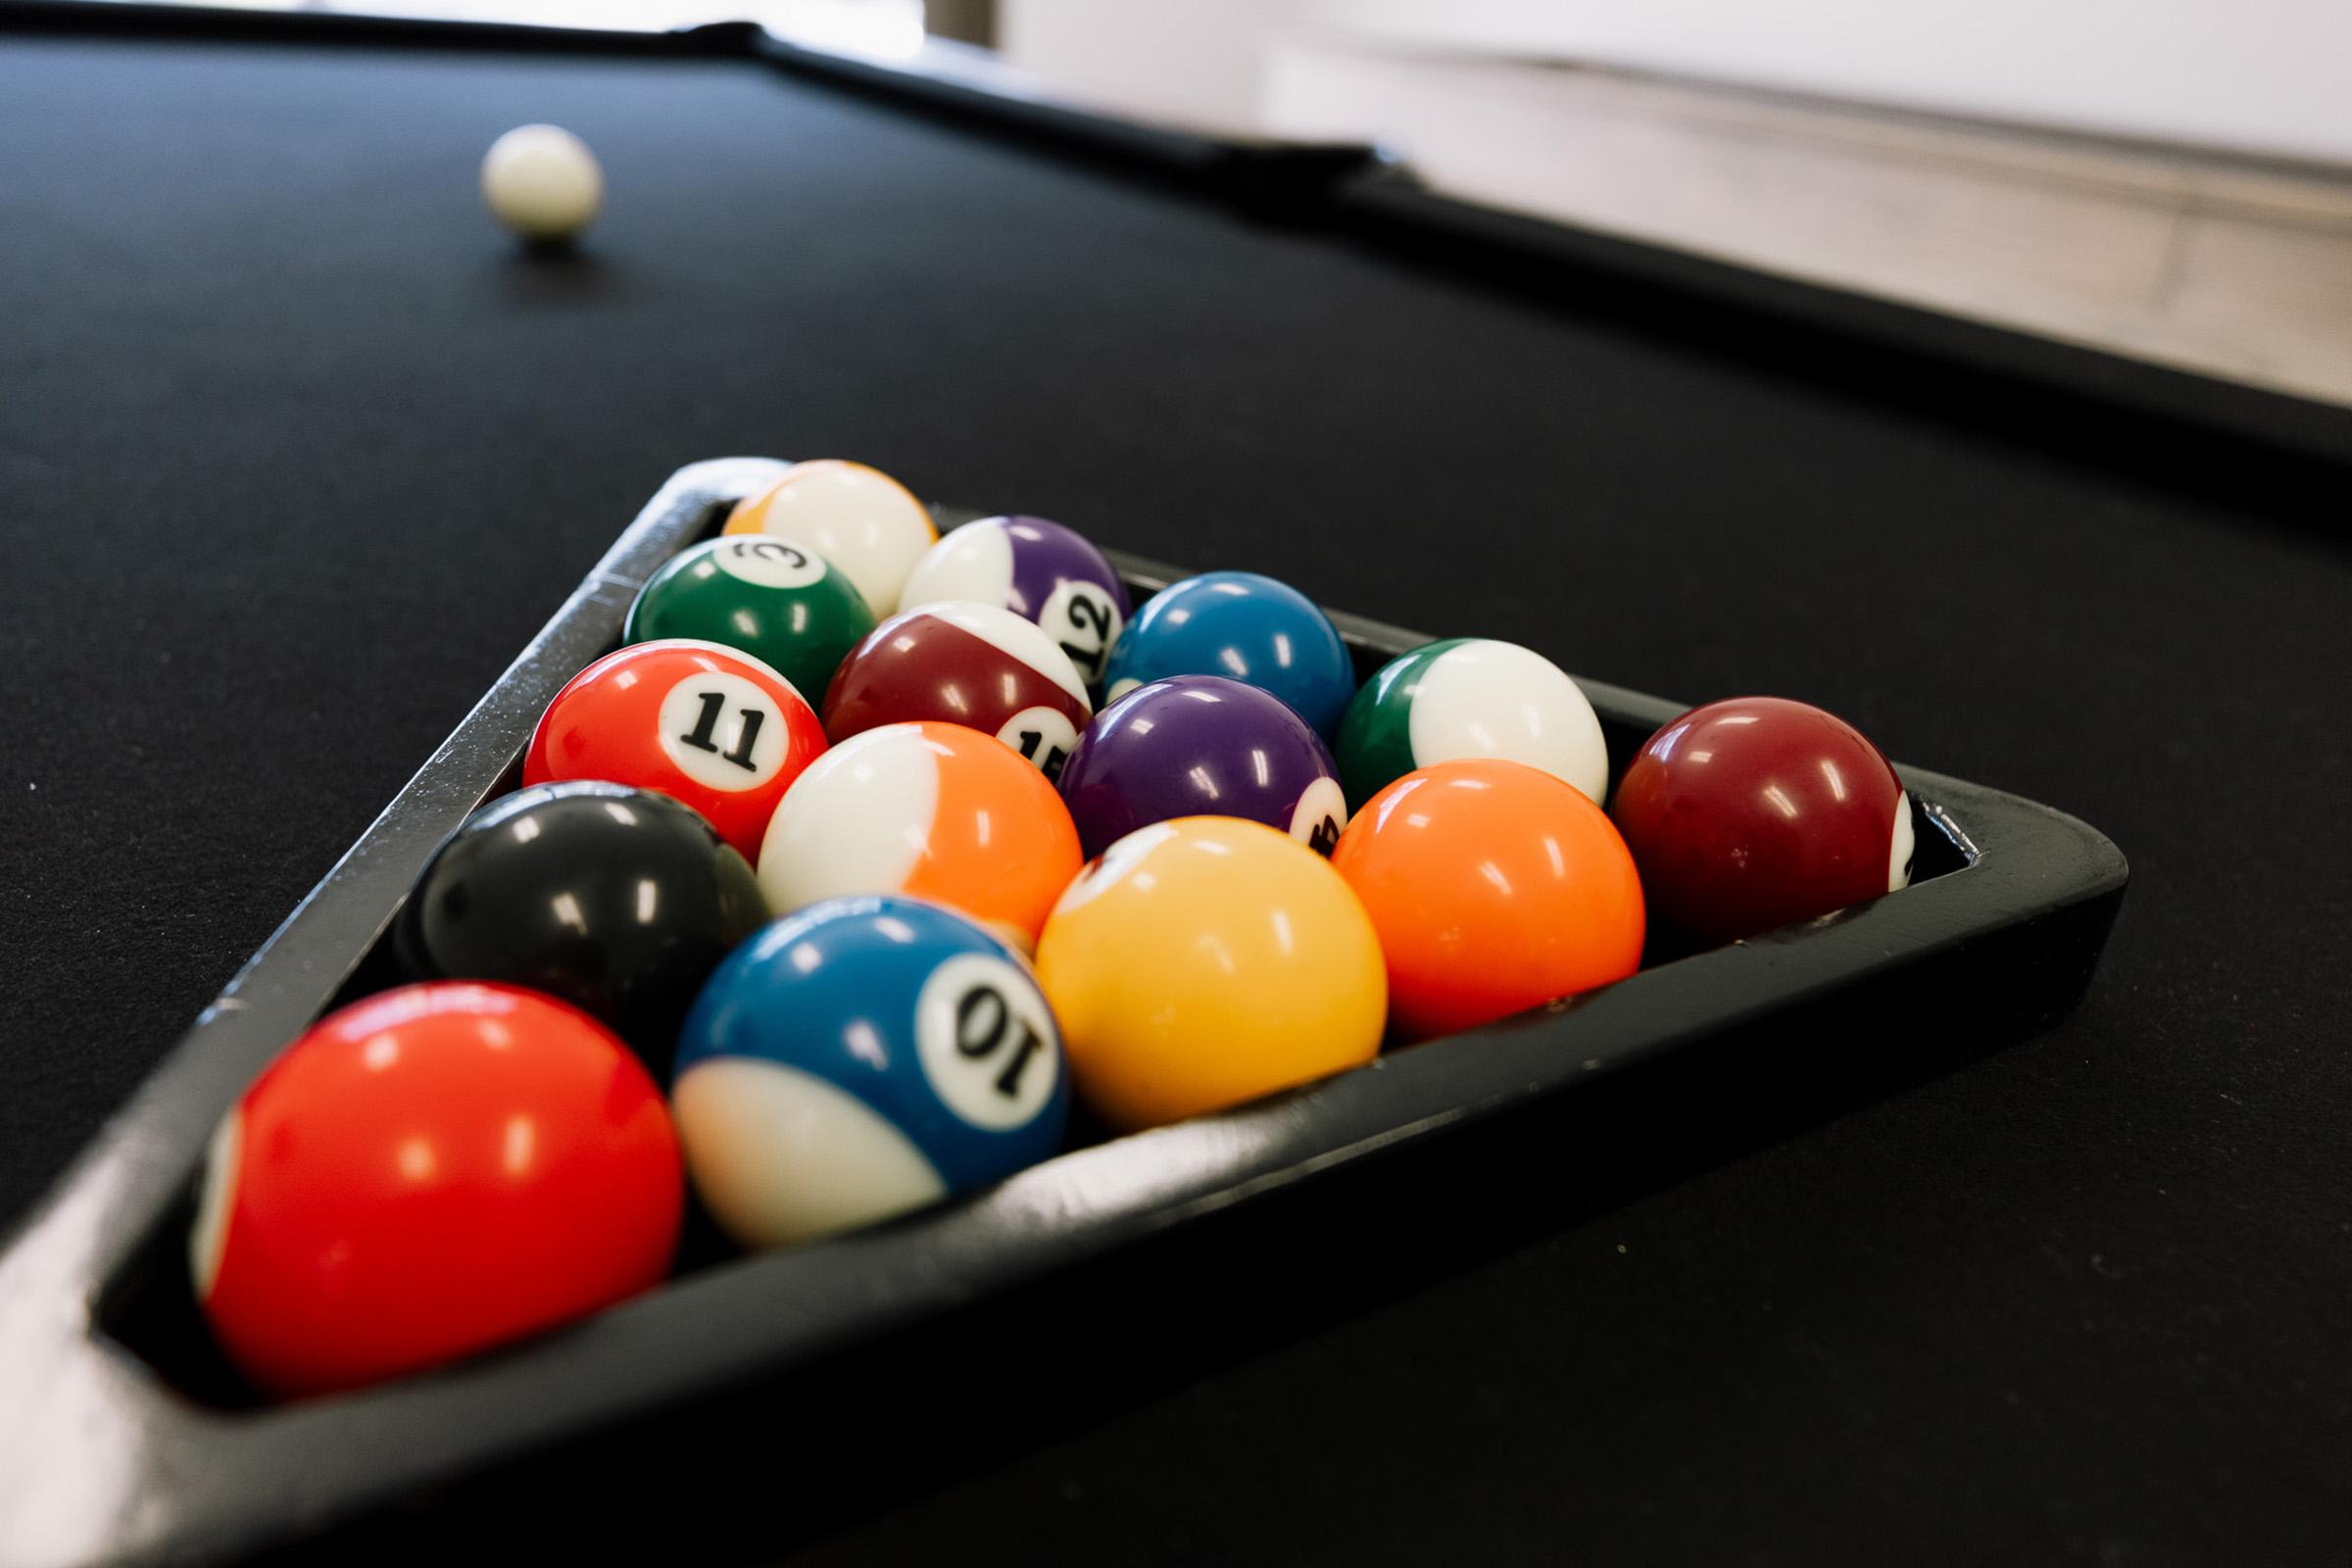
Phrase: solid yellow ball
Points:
(1205, 961)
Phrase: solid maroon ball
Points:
(1757, 813)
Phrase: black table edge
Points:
(2080, 400)
(1268, 177)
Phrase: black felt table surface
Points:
(296, 452)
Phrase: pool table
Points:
(297, 450)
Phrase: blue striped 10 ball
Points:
(860, 1058)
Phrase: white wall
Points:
(2260, 75)
(2270, 77)
(1199, 61)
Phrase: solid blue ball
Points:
(860, 1059)
(1244, 628)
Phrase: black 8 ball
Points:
(617, 900)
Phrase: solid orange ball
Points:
(1495, 888)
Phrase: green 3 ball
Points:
(777, 600)
(1470, 697)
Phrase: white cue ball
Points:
(542, 183)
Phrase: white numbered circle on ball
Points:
(1321, 813)
(1044, 735)
(987, 1040)
(1085, 620)
(723, 731)
(767, 562)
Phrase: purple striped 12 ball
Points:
(1041, 571)
(1202, 746)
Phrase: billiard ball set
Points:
(831, 856)
(836, 961)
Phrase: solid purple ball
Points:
(1202, 746)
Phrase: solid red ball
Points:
(1495, 887)
(1757, 813)
(428, 1173)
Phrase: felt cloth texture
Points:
(297, 451)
